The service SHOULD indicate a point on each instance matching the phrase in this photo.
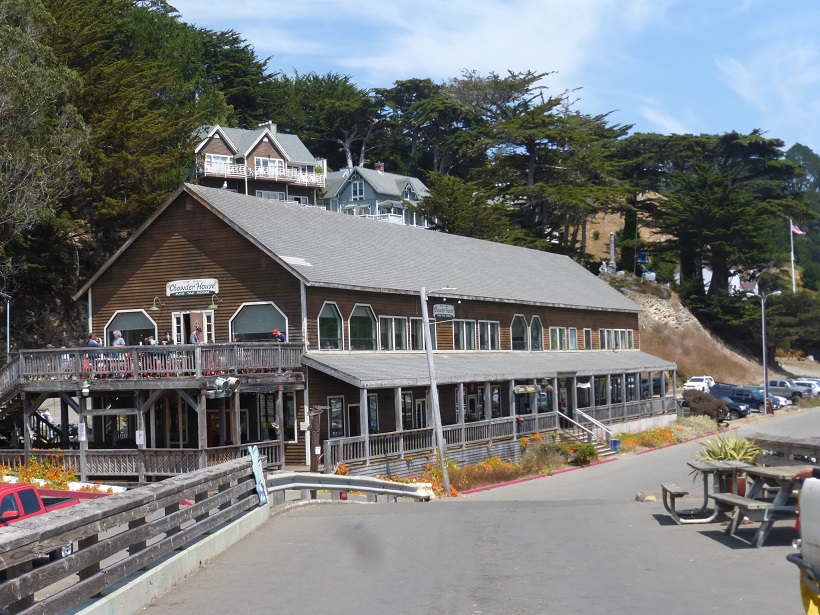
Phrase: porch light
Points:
(154, 307)
(215, 301)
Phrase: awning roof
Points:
(375, 370)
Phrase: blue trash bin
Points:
(615, 444)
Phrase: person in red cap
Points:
(278, 336)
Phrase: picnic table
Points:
(718, 471)
(758, 505)
(782, 450)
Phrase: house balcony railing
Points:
(279, 174)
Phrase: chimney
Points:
(270, 124)
(379, 166)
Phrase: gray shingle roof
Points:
(386, 369)
(390, 184)
(292, 146)
(336, 250)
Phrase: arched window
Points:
(536, 334)
(518, 333)
(256, 322)
(362, 328)
(330, 328)
(135, 326)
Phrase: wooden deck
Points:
(67, 370)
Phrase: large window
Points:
(269, 167)
(464, 334)
(488, 335)
(357, 191)
(330, 328)
(587, 339)
(393, 332)
(573, 338)
(536, 334)
(617, 339)
(256, 321)
(558, 338)
(135, 326)
(519, 333)
(270, 195)
(407, 410)
(417, 334)
(362, 328)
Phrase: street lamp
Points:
(428, 346)
(7, 297)
(763, 297)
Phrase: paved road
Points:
(571, 543)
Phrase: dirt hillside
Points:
(670, 331)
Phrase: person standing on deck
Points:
(194, 339)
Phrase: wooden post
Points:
(222, 421)
(237, 419)
(461, 410)
(26, 427)
(397, 402)
(63, 423)
(511, 402)
(83, 437)
(202, 430)
(364, 423)
(141, 443)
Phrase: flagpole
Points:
(791, 243)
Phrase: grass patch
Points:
(677, 431)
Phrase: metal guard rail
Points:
(597, 423)
(279, 482)
(590, 434)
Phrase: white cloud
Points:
(665, 123)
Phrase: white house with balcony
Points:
(261, 162)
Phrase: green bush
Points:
(545, 458)
(585, 454)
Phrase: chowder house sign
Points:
(443, 310)
(200, 286)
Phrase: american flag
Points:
(796, 230)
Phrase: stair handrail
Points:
(609, 433)
(590, 433)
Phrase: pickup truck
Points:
(18, 502)
(788, 389)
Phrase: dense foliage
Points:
(101, 105)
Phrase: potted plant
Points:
(729, 447)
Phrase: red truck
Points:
(19, 502)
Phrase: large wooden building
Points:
(517, 334)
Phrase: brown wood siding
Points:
(264, 149)
(187, 241)
(215, 145)
(410, 306)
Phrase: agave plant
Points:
(728, 448)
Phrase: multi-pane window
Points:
(464, 334)
(330, 328)
(488, 335)
(573, 338)
(409, 194)
(362, 328)
(270, 195)
(519, 333)
(417, 334)
(268, 167)
(336, 417)
(587, 339)
(617, 339)
(393, 332)
(558, 338)
(536, 334)
(356, 191)
(217, 163)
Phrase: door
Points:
(184, 323)
(354, 425)
(420, 418)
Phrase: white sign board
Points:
(139, 437)
(304, 425)
(197, 286)
(81, 436)
(444, 310)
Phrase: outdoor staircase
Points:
(578, 435)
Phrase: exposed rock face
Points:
(666, 312)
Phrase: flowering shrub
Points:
(525, 442)
(537, 437)
(48, 472)
(489, 472)
(342, 469)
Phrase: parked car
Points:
(699, 383)
(809, 385)
(736, 410)
(786, 388)
(657, 387)
(742, 395)
(21, 501)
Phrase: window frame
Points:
(462, 324)
(572, 338)
(391, 346)
(526, 339)
(540, 345)
(419, 321)
(493, 332)
(341, 338)
(357, 190)
(560, 337)
(587, 338)
(374, 324)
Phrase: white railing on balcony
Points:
(391, 218)
(283, 174)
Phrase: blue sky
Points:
(666, 66)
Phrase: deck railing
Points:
(142, 362)
(284, 174)
(155, 462)
(398, 444)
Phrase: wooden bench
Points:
(756, 510)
